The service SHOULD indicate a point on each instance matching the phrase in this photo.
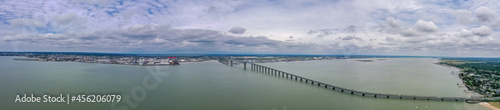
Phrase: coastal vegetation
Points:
(481, 75)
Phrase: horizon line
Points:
(244, 54)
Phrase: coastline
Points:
(484, 104)
(487, 105)
(474, 93)
(25, 58)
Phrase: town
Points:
(158, 60)
(481, 75)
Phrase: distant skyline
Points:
(468, 28)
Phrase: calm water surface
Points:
(211, 85)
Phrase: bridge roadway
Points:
(272, 71)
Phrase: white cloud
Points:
(396, 26)
(427, 27)
(393, 23)
(485, 14)
(465, 33)
(159, 40)
(481, 31)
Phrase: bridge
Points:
(278, 73)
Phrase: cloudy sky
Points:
(342, 27)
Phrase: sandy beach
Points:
(486, 104)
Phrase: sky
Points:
(328, 27)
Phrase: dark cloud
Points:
(312, 32)
(237, 30)
(351, 29)
(481, 31)
(90, 38)
(322, 32)
(153, 38)
(390, 44)
(409, 33)
(351, 38)
(485, 14)
(390, 39)
(427, 27)
(327, 32)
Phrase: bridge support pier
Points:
(254, 67)
(257, 68)
(245, 65)
(251, 66)
(262, 69)
(231, 62)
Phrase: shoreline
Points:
(484, 104)
(488, 105)
(462, 81)
(38, 60)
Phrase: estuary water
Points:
(213, 86)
